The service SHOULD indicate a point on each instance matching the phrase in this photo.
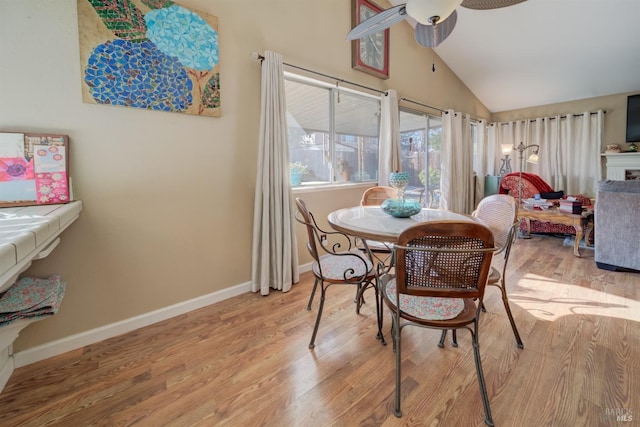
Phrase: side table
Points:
(583, 223)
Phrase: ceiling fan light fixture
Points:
(428, 12)
(433, 35)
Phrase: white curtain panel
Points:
(389, 159)
(500, 133)
(274, 254)
(467, 164)
(578, 168)
(481, 159)
(585, 162)
(511, 133)
(550, 158)
(492, 151)
(456, 180)
(446, 156)
(569, 155)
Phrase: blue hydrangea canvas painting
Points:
(151, 54)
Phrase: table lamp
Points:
(505, 168)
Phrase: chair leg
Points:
(396, 345)
(313, 292)
(317, 325)
(454, 338)
(442, 338)
(505, 301)
(379, 315)
(393, 336)
(360, 296)
(488, 420)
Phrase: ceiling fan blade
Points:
(489, 4)
(433, 35)
(378, 22)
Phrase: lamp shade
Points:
(424, 10)
(506, 149)
(533, 158)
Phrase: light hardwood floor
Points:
(245, 361)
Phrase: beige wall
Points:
(615, 119)
(168, 198)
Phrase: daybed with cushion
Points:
(533, 184)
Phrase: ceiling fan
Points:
(435, 18)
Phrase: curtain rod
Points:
(420, 103)
(432, 107)
(550, 118)
(259, 57)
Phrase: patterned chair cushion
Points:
(334, 266)
(426, 307)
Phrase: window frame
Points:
(333, 91)
(429, 199)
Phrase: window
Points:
(420, 141)
(332, 131)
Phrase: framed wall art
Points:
(150, 54)
(371, 53)
(34, 169)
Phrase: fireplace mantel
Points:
(621, 166)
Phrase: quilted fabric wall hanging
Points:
(151, 54)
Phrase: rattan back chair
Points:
(336, 261)
(374, 196)
(499, 212)
(440, 276)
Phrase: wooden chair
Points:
(381, 251)
(499, 212)
(440, 277)
(336, 261)
(374, 196)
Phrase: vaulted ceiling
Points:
(545, 51)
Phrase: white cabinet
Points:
(621, 166)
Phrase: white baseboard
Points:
(93, 336)
(6, 371)
(72, 342)
(6, 367)
(304, 267)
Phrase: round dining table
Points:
(371, 222)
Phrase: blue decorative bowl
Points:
(400, 208)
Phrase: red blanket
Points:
(534, 179)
